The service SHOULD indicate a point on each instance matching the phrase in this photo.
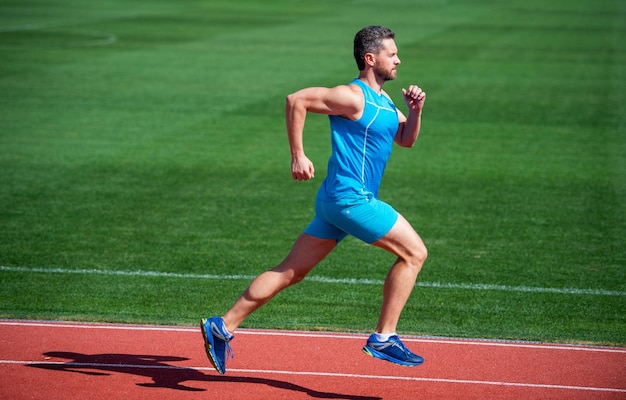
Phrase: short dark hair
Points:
(370, 40)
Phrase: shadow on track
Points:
(164, 375)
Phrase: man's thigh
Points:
(403, 241)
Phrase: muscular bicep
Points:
(340, 100)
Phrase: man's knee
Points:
(417, 256)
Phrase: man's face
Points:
(387, 60)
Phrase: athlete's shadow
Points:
(164, 375)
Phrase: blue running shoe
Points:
(216, 342)
(392, 350)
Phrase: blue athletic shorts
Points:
(369, 220)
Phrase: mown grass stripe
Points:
(313, 278)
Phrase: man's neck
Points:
(371, 80)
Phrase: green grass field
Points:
(145, 166)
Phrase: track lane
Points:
(55, 360)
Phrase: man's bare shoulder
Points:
(350, 89)
(352, 98)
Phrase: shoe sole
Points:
(208, 347)
(382, 356)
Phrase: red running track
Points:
(56, 360)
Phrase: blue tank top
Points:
(360, 149)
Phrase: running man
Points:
(364, 123)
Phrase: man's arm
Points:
(409, 127)
(346, 101)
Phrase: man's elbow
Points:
(405, 142)
(293, 100)
(289, 100)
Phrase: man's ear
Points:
(370, 59)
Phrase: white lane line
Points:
(314, 278)
(438, 380)
(105, 366)
(325, 335)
